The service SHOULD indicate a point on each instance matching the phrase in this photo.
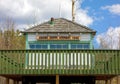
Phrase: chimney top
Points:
(52, 20)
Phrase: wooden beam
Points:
(118, 79)
(57, 79)
(7, 81)
(106, 81)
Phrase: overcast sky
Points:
(99, 15)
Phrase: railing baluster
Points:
(88, 64)
(52, 62)
(56, 69)
(66, 64)
(63, 54)
(116, 61)
(112, 58)
(45, 61)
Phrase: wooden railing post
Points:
(57, 79)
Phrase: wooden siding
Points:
(83, 37)
(31, 37)
(60, 62)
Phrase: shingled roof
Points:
(60, 25)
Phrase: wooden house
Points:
(60, 51)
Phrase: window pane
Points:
(38, 46)
(44, 47)
(59, 46)
(65, 46)
(52, 46)
(79, 46)
(73, 46)
(32, 46)
(86, 46)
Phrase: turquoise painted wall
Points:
(48, 42)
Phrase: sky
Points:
(100, 15)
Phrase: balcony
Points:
(69, 62)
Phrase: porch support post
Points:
(110, 81)
(25, 80)
(57, 79)
(15, 82)
(106, 81)
(118, 79)
(7, 80)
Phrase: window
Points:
(86, 46)
(79, 46)
(58, 46)
(38, 46)
(32, 46)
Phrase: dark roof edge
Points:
(60, 32)
(92, 31)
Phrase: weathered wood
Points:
(7, 81)
(118, 79)
(71, 62)
(57, 79)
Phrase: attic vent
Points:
(52, 21)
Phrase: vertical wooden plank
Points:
(60, 62)
(63, 54)
(66, 64)
(90, 61)
(116, 62)
(84, 60)
(48, 62)
(41, 53)
(17, 61)
(88, 58)
(118, 58)
(52, 62)
(103, 62)
(13, 66)
(73, 60)
(98, 63)
(56, 62)
(39, 61)
(35, 66)
(80, 66)
(118, 79)
(109, 62)
(6, 62)
(112, 59)
(7, 81)
(27, 62)
(69, 72)
(77, 61)
(22, 61)
(32, 60)
(57, 79)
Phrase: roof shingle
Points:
(60, 25)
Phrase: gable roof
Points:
(60, 25)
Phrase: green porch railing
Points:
(70, 62)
